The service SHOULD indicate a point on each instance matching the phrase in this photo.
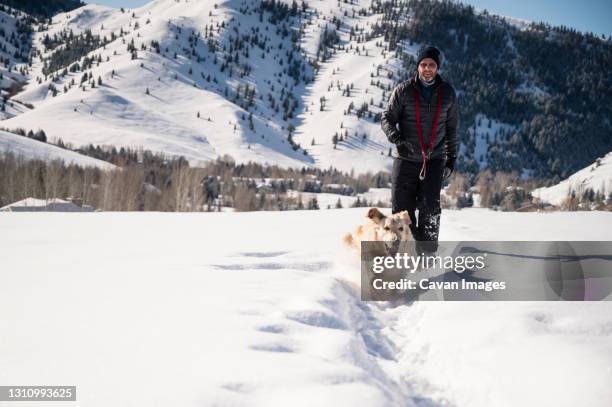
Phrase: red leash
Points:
(420, 131)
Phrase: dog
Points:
(389, 230)
(385, 235)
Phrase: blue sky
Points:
(585, 15)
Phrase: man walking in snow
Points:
(425, 108)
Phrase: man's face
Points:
(427, 69)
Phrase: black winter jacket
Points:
(401, 110)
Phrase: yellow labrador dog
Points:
(387, 233)
(389, 230)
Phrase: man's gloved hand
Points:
(396, 138)
(399, 142)
(449, 167)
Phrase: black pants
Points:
(408, 193)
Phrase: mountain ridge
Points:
(46, 8)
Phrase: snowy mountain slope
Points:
(597, 177)
(268, 316)
(32, 149)
(300, 83)
(201, 80)
(366, 69)
(485, 131)
(15, 45)
(120, 112)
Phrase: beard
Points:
(427, 77)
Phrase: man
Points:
(425, 108)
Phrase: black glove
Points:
(449, 167)
(402, 142)
(396, 138)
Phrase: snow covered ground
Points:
(259, 309)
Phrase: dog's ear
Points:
(375, 215)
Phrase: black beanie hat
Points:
(429, 52)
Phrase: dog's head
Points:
(396, 227)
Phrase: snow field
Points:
(261, 309)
